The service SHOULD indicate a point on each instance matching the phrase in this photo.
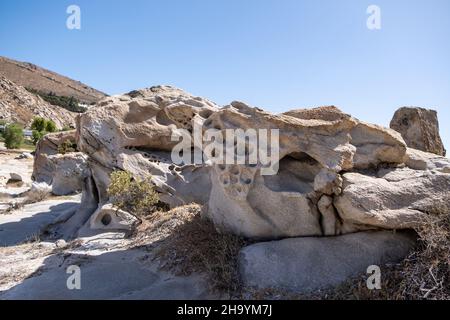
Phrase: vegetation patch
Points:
(68, 103)
(136, 196)
(13, 136)
(190, 244)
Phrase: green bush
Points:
(41, 124)
(13, 136)
(132, 195)
(38, 135)
(41, 127)
(38, 124)
(66, 147)
(50, 126)
(68, 103)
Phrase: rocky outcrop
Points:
(308, 264)
(420, 129)
(339, 196)
(313, 152)
(19, 105)
(134, 132)
(335, 174)
(109, 218)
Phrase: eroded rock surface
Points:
(43, 169)
(315, 147)
(336, 175)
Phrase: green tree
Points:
(13, 136)
(50, 126)
(38, 135)
(41, 127)
(39, 124)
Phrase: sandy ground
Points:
(111, 267)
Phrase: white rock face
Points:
(133, 132)
(43, 168)
(419, 160)
(308, 264)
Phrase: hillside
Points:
(31, 76)
(19, 105)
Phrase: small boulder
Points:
(419, 128)
(109, 218)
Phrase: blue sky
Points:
(275, 54)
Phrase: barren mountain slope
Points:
(19, 105)
(31, 76)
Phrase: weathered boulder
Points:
(43, 169)
(109, 218)
(329, 179)
(70, 171)
(307, 264)
(420, 129)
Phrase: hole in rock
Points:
(106, 219)
(296, 173)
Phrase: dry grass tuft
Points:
(424, 274)
(36, 195)
(191, 244)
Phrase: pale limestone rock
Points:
(419, 160)
(43, 169)
(109, 218)
(394, 198)
(133, 132)
(328, 182)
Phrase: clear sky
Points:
(275, 54)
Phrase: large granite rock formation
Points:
(339, 183)
(420, 129)
(336, 174)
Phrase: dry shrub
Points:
(424, 274)
(36, 195)
(191, 244)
